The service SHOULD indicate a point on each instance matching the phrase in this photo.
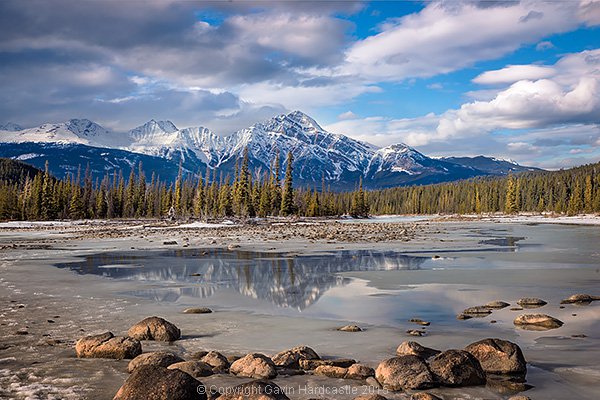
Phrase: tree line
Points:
(36, 195)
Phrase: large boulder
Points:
(414, 348)
(291, 358)
(216, 360)
(537, 322)
(151, 382)
(154, 328)
(254, 365)
(404, 372)
(457, 368)
(255, 390)
(498, 356)
(106, 345)
(156, 358)
(196, 369)
(359, 372)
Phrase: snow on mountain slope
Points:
(340, 160)
(10, 127)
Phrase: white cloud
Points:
(544, 45)
(347, 115)
(514, 73)
(444, 37)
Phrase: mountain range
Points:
(162, 147)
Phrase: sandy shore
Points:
(57, 307)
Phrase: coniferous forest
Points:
(29, 194)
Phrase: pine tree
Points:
(588, 194)
(510, 204)
(199, 197)
(287, 198)
(314, 207)
(48, 202)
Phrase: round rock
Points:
(580, 299)
(457, 368)
(254, 365)
(498, 356)
(106, 345)
(291, 358)
(216, 360)
(537, 322)
(359, 372)
(151, 382)
(154, 328)
(531, 302)
(414, 348)
(497, 305)
(404, 372)
(331, 371)
(156, 358)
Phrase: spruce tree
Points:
(510, 204)
(287, 197)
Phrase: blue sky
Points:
(516, 79)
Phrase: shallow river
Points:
(381, 291)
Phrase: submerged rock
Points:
(337, 362)
(537, 322)
(254, 365)
(196, 369)
(151, 382)
(197, 310)
(498, 356)
(106, 345)
(414, 348)
(291, 358)
(416, 332)
(404, 372)
(457, 368)
(580, 299)
(154, 328)
(350, 328)
(419, 321)
(156, 358)
(531, 302)
(255, 390)
(497, 305)
(463, 317)
(477, 311)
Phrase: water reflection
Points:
(283, 280)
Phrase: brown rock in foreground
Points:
(359, 372)
(537, 322)
(457, 368)
(414, 348)
(155, 358)
(291, 358)
(423, 396)
(498, 356)
(106, 345)
(255, 390)
(158, 383)
(496, 305)
(531, 302)
(154, 328)
(216, 360)
(197, 310)
(404, 372)
(254, 365)
(337, 362)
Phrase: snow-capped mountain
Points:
(318, 155)
(10, 127)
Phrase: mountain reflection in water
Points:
(285, 280)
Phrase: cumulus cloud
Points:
(514, 73)
(441, 38)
